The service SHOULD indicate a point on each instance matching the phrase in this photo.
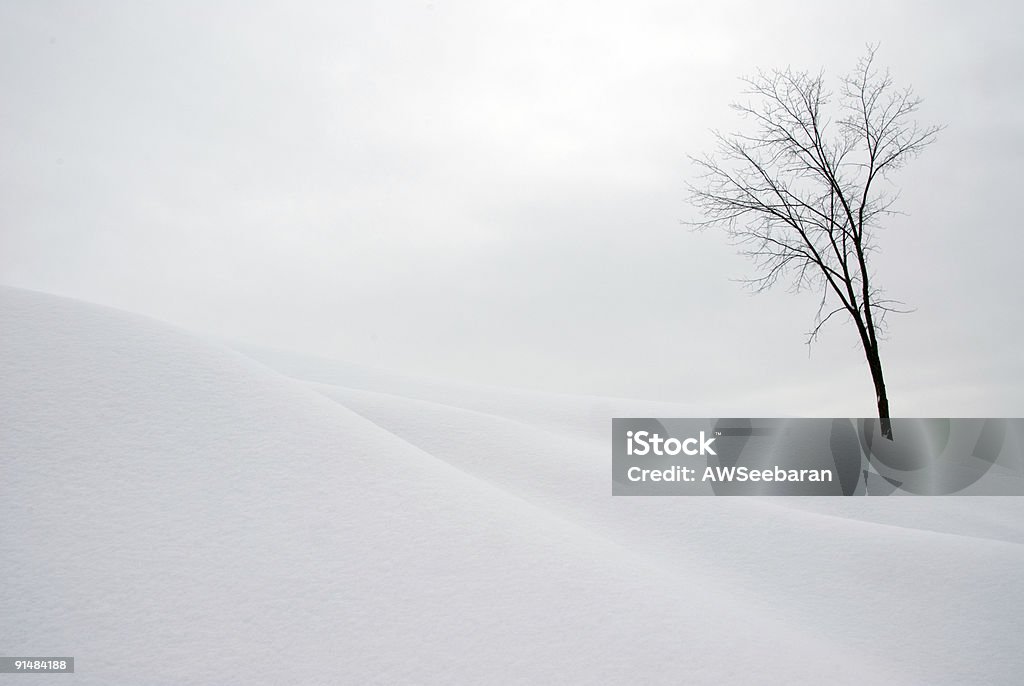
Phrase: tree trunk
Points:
(875, 363)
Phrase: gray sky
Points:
(492, 191)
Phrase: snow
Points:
(175, 511)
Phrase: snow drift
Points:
(176, 512)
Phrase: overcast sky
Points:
(493, 191)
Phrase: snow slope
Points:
(176, 512)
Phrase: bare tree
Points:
(805, 192)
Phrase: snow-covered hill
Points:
(173, 511)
